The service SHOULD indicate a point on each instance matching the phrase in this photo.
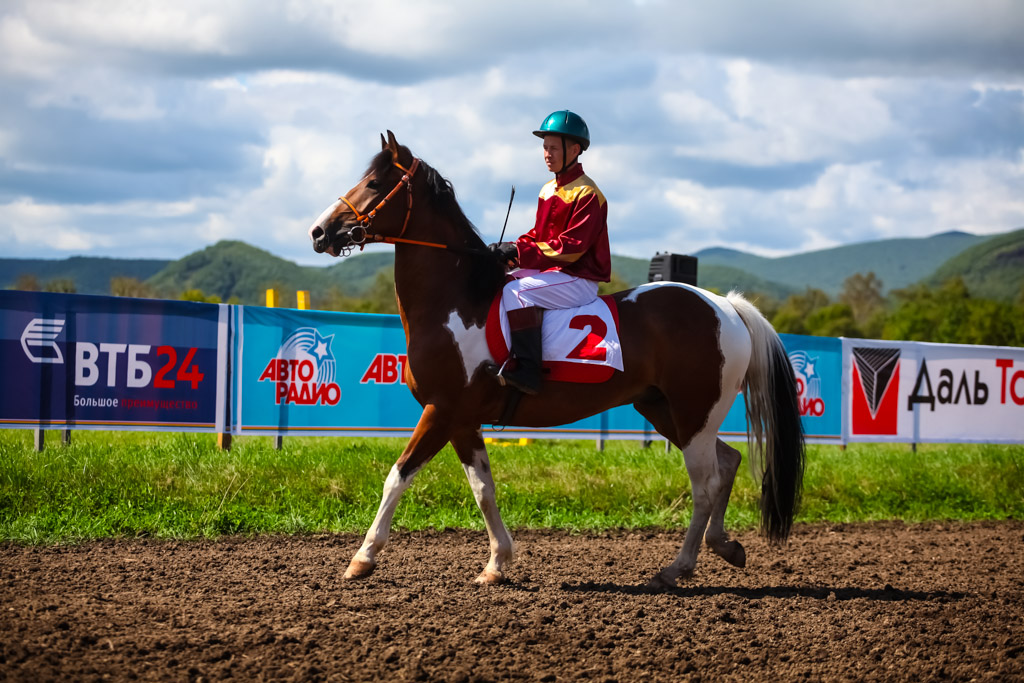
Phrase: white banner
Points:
(916, 392)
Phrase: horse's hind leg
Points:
(657, 412)
(711, 465)
(472, 452)
(428, 438)
(716, 536)
(705, 484)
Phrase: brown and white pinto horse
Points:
(686, 352)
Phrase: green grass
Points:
(108, 484)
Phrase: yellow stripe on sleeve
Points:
(546, 249)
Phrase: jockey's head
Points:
(565, 136)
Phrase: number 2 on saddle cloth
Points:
(580, 344)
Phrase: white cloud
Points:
(50, 231)
(773, 127)
(104, 95)
(776, 116)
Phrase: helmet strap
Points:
(565, 152)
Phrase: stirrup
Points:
(495, 370)
(510, 381)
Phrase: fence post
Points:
(39, 439)
(272, 303)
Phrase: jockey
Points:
(560, 261)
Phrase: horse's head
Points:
(376, 209)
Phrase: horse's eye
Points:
(373, 184)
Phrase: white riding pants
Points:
(547, 289)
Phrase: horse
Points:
(687, 353)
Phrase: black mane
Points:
(486, 275)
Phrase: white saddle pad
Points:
(587, 335)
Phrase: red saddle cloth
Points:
(583, 360)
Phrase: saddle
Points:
(579, 344)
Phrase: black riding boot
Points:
(525, 328)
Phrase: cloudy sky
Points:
(137, 128)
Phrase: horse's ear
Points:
(393, 145)
(383, 142)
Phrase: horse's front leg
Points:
(430, 435)
(472, 452)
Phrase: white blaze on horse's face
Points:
(321, 219)
(470, 342)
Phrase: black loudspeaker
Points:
(673, 268)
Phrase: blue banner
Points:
(818, 365)
(318, 372)
(112, 363)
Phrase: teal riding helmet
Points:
(568, 124)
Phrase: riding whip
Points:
(500, 239)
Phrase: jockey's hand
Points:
(505, 252)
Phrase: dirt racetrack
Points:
(857, 602)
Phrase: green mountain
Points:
(355, 274)
(993, 269)
(896, 262)
(90, 274)
(232, 269)
(717, 277)
(632, 270)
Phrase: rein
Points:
(361, 234)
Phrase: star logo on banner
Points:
(809, 368)
(321, 346)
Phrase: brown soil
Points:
(856, 602)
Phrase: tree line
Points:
(119, 286)
(944, 314)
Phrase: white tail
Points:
(775, 435)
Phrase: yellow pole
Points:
(272, 303)
(302, 297)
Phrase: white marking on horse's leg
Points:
(705, 481)
(471, 343)
(365, 559)
(716, 536)
(502, 545)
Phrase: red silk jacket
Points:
(571, 232)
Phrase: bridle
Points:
(361, 235)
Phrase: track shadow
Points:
(886, 594)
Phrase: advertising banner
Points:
(817, 364)
(916, 392)
(327, 373)
(318, 372)
(71, 361)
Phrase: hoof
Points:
(659, 582)
(489, 577)
(359, 569)
(734, 554)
